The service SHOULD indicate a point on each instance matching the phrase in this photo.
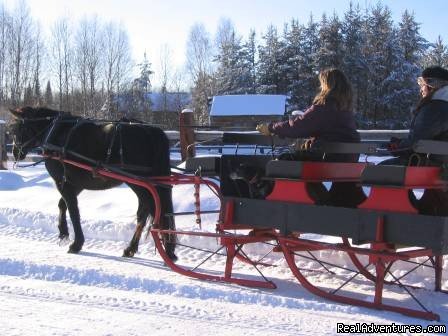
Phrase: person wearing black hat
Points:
(430, 118)
(430, 122)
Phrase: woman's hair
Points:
(334, 88)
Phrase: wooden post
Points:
(3, 156)
(186, 134)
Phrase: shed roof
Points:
(248, 105)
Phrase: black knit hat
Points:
(435, 72)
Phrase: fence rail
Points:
(380, 135)
(212, 140)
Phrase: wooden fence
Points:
(187, 137)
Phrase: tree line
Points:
(88, 62)
(86, 67)
(381, 58)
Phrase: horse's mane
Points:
(130, 120)
(40, 112)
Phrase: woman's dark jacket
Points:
(322, 122)
(325, 123)
(430, 122)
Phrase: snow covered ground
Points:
(45, 291)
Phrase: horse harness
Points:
(62, 151)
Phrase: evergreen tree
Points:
(354, 62)
(28, 96)
(436, 55)
(229, 70)
(248, 65)
(140, 104)
(37, 95)
(330, 52)
(293, 52)
(410, 40)
(143, 82)
(380, 43)
(203, 89)
(48, 98)
(270, 75)
(402, 90)
(306, 88)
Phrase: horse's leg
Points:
(145, 207)
(62, 225)
(167, 222)
(69, 194)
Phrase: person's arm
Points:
(427, 125)
(300, 127)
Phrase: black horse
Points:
(132, 147)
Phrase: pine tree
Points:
(229, 70)
(37, 94)
(436, 55)
(270, 76)
(48, 98)
(354, 61)
(380, 43)
(308, 64)
(330, 51)
(140, 104)
(248, 64)
(294, 55)
(28, 96)
(400, 86)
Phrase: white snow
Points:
(45, 291)
(248, 105)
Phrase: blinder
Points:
(19, 130)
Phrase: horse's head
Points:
(28, 128)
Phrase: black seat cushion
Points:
(384, 175)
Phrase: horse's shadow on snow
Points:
(134, 260)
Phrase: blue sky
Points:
(153, 23)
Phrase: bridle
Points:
(23, 121)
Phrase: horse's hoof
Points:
(172, 256)
(128, 253)
(74, 249)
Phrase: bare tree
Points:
(4, 17)
(199, 66)
(165, 74)
(39, 51)
(199, 52)
(89, 45)
(225, 33)
(20, 50)
(117, 63)
(62, 52)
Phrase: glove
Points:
(307, 144)
(263, 129)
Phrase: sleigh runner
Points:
(383, 236)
